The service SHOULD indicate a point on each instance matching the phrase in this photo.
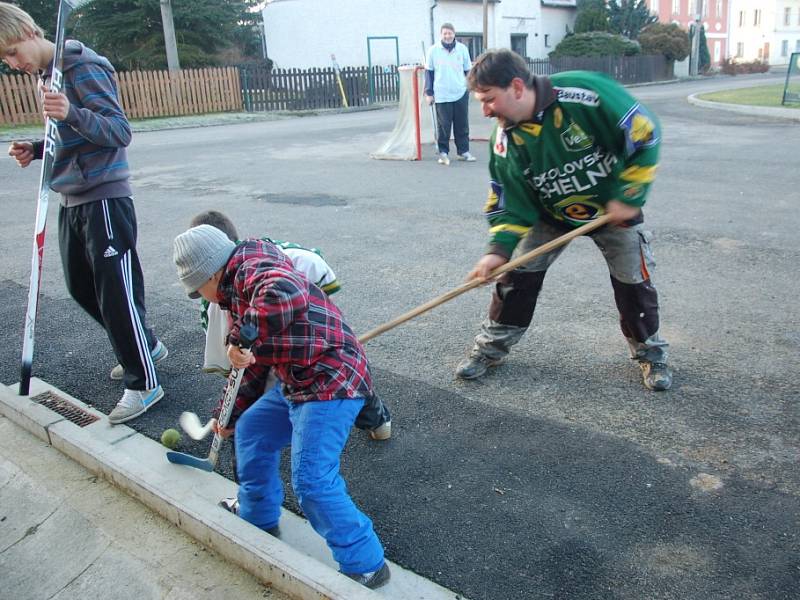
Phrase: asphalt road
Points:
(559, 475)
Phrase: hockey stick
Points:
(65, 8)
(194, 428)
(338, 74)
(247, 336)
(465, 287)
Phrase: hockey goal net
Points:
(414, 126)
(791, 89)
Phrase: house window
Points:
(739, 49)
(718, 12)
(717, 51)
(473, 42)
(519, 43)
(787, 15)
(704, 8)
(676, 7)
(757, 17)
(785, 48)
(741, 18)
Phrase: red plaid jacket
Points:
(301, 334)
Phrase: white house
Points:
(304, 33)
(767, 30)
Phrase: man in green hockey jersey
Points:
(566, 150)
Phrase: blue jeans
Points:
(317, 432)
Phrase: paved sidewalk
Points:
(66, 533)
(62, 537)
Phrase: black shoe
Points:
(475, 365)
(657, 376)
(374, 579)
(232, 506)
(274, 531)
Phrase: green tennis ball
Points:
(171, 438)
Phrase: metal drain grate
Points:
(65, 408)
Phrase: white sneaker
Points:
(381, 432)
(133, 404)
(230, 504)
(444, 159)
(467, 157)
(158, 353)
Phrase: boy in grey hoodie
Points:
(96, 219)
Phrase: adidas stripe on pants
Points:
(102, 272)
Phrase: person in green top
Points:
(566, 150)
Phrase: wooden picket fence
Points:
(142, 94)
(640, 68)
(188, 91)
(303, 89)
(255, 88)
(19, 100)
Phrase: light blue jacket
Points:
(449, 82)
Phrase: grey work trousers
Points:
(630, 262)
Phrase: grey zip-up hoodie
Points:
(91, 160)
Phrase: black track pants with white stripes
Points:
(103, 274)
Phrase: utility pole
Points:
(169, 36)
(695, 56)
(485, 25)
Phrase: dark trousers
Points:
(103, 275)
(373, 414)
(630, 261)
(453, 115)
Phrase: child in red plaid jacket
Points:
(324, 381)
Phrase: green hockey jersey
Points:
(588, 142)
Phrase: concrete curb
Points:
(747, 109)
(187, 498)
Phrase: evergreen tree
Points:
(704, 61)
(704, 56)
(629, 17)
(595, 43)
(592, 15)
(667, 39)
(130, 33)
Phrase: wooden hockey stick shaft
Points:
(338, 74)
(469, 285)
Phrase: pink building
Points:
(713, 15)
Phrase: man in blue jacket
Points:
(446, 67)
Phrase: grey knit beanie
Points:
(198, 253)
